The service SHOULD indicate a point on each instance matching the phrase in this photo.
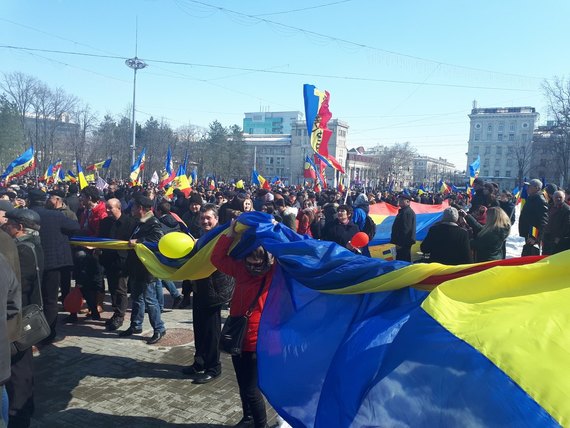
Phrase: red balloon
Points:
(359, 240)
(73, 301)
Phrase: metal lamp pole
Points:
(136, 64)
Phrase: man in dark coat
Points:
(557, 231)
(404, 229)
(143, 283)
(534, 214)
(209, 295)
(23, 226)
(54, 237)
(446, 242)
(116, 226)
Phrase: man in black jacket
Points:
(56, 228)
(116, 226)
(209, 296)
(143, 284)
(404, 229)
(534, 214)
(23, 226)
(557, 231)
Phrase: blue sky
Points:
(397, 71)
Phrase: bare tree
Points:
(21, 91)
(523, 157)
(557, 94)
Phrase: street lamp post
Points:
(136, 64)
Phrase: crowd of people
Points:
(37, 258)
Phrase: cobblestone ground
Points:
(93, 378)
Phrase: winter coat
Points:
(447, 243)
(488, 246)
(404, 228)
(533, 214)
(54, 236)
(91, 219)
(214, 290)
(10, 310)
(340, 233)
(121, 229)
(246, 288)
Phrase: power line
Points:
(304, 8)
(362, 45)
(286, 73)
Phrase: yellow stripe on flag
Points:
(521, 323)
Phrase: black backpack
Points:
(369, 227)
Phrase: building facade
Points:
(502, 137)
(265, 122)
(544, 162)
(429, 171)
(271, 155)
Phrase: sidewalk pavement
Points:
(93, 378)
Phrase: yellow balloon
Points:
(175, 245)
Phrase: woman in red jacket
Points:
(255, 271)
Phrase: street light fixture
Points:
(136, 64)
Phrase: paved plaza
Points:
(93, 378)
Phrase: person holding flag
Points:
(533, 218)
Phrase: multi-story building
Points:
(266, 122)
(271, 155)
(429, 171)
(502, 137)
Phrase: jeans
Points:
(143, 295)
(170, 286)
(3, 407)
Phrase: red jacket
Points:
(90, 219)
(246, 288)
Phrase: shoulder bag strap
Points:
(37, 291)
(254, 303)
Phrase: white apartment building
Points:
(496, 134)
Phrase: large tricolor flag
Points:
(350, 341)
(137, 167)
(317, 115)
(180, 182)
(169, 173)
(23, 164)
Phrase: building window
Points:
(524, 138)
(490, 128)
(496, 173)
(500, 137)
(499, 150)
(477, 136)
(512, 126)
(489, 136)
(510, 151)
(507, 173)
(511, 137)
(501, 127)
(487, 150)
(485, 173)
(476, 149)
(486, 162)
(509, 162)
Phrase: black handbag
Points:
(35, 327)
(235, 327)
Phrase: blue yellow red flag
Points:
(23, 164)
(137, 167)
